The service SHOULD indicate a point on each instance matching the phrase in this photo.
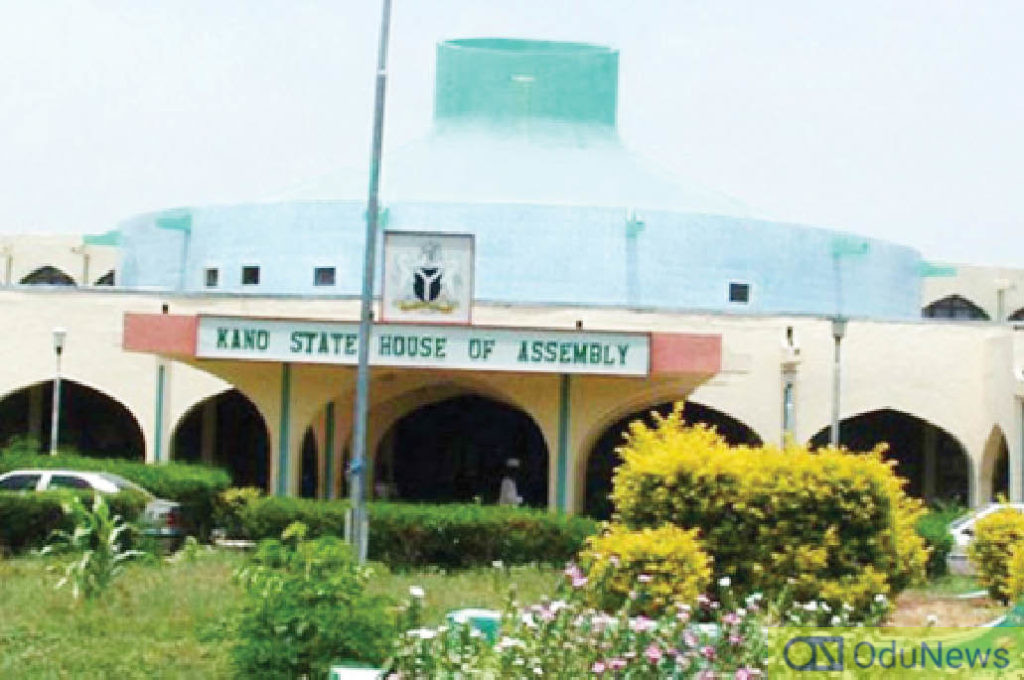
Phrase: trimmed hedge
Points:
(813, 525)
(195, 486)
(407, 535)
(27, 519)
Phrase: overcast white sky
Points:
(900, 119)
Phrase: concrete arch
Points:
(47, 275)
(226, 429)
(597, 460)
(92, 421)
(934, 461)
(994, 469)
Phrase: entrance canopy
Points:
(474, 348)
(565, 383)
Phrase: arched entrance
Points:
(47, 276)
(603, 459)
(226, 430)
(995, 467)
(91, 422)
(932, 461)
(309, 472)
(455, 451)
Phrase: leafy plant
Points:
(306, 608)
(97, 542)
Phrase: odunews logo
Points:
(908, 651)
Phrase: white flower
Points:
(811, 606)
(422, 633)
(725, 582)
(836, 620)
(932, 620)
(417, 592)
(880, 598)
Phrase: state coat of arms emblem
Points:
(428, 276)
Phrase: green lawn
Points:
(173, 620)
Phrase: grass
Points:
(173, 620)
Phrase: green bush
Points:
(933, 527)
(29, 519)
(995, 537)
(306, 609)
(194, 486)
(814, 525)
(408, 535)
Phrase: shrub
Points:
(667, 565)
(307, 608)
(933, 527)
(405, 535)
(995, 536)
(194, 486)
(816, 525)
(1015, 572)
(409, 534)
(27, 520)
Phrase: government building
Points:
(539, 286)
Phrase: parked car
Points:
(962, 531)
(160, 518)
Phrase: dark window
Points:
(739, 292)
(1017, 316)
(212, 277)
(49, 276)
(323, 276)
(68, 482)
(954, 307)
(20, 483)
(250, 276)
(105, 280)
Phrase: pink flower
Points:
(616, 664)
(641, 624)
(573, 572)
(579, 581)
(708, 652)
(730, 619)
(598, 668)
(653, 653)
(735, 640)
(747, 674)
(690, 639)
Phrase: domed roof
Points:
(523, 121)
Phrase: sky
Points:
(897, 119)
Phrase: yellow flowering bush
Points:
(995, 537)
(1015, 572)
(660, 567)
(817, 525)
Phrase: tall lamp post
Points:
(59, 336)
(838, 331)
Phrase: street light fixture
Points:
(59, 336)
(838, 331)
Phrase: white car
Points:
(160, 517)
(962, 531)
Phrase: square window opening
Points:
(211, 277)
(323, 276)
(250, 275)
(739, 293)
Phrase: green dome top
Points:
(499, 80)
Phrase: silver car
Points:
(160, 518)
